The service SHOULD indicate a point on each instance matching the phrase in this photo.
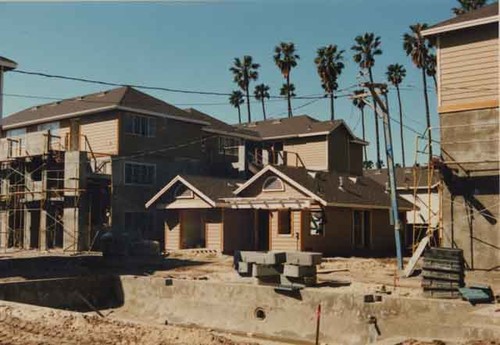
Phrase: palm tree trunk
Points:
(401, 126)
(427, 115)
(248, 104)
(239, 114)
(263, 109)
(332, 111)
(378, 165)
(288, 95)
(363, 127)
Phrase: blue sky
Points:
(191, 46)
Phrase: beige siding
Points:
(213, 229)
(102, 136)
(311, 150)
(255, 190)
(190, 203)
(172, 231)
(468, 65)
(285, 242)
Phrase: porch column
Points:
(27, 229)
(4, 229)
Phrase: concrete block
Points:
(245, 268)
(296, 271)
(265, 270)
(299, 282)
(303, 258)
(263, 258)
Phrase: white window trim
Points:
(264, 189)
(138, 163)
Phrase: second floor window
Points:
(140, 125)
(18, 132)
(229, 146)
(139, 173)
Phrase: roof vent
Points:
(102, 94)
(80, 98)
(312, 173)
(252, 124)
(354, 179)
(55, 103)
(35, 108)
(275, 122)
(341, 183)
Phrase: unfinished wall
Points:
(172, 229)
(288, 242)
(312, 151)
(213, 229)
(238, 230)
(338, 150)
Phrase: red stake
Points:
(318, 318)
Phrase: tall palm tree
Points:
(261, 92)
(329, 66)
(395, 75)
(366, 48)
(236, 100)
(468, 5)
(430, 67)
(286, 59)
(358, 102)
(244, 71)
(288, 90)
(417, 47)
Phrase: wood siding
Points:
(172, 230)
(213, 229)
(312, 151)
(255, 190)
(338, 150)
(102, 136)
(285, 242)
(189, 203)
(468, 65)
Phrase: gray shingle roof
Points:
(404, 177)
(483, 12)
(214, 187)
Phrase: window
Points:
(284, 222)
(229, 146)
(52, 126)
(139, 173)
(182, 192)
(361, 229)
(140, 125)
(317, 223)
(18, 132)
(273, 184)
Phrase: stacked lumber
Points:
(443, 272)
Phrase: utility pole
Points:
(383, 111)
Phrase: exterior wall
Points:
(213, 229)
(468, 65)
(289, 242)
(172, 227)
(338, 150)
(255, 190)
(312, 151)
(356, 159)
(101, 133)
(471, 199)
(338, 239)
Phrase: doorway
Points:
(262, 240)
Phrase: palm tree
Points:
(366, 48)
(244, 71)
(288, 90)
(358, 102)
(329, 66)
(395, 75)
(286, 59)
(261, 92)
(236, 100)
(430, 67)
(417, 47)
(468, 5)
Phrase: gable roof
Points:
(220, 127)
(209, 188)
(333, 189)
(481, 16)
(123, 98)
(295, 127)
(404, 177)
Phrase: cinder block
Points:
(245, 268)
(299, 282)
(296, 271)
(263, 258)
(303, 258)
(265, 270)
